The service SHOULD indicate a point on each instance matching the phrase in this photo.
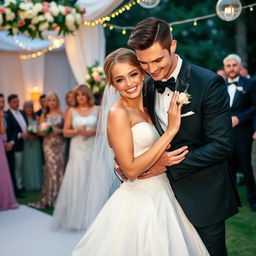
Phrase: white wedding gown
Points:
(142, 217)
(70, 207)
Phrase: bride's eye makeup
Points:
(134, 74)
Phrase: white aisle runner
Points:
(26, 232)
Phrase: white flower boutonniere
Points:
(240, 89)
(184, 98)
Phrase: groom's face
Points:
(159, 63)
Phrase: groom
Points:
(201, 182)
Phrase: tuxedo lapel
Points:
(151, 109)
(182, 83)
(237, 94)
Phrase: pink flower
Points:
(83, 10)
(46, 4)
(2, 10)
(96, 78)
(21, 23)
(67, 9)
(45, 9)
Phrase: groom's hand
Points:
(167, 159)
(119, 171)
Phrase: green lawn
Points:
(241, 229)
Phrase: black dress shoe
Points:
(253, 207)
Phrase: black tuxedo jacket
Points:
(244, 107)
(201, 182)
(12, 130)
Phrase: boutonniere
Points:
(184, 98)
(240, 89)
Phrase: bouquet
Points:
(46, 128)
(32, 129)
(95, 79)
(32, 17)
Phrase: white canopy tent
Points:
(59, 70)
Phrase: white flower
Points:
(43, 26)
(94, 73)
(23, 15)
(35, 20)
(37, 8)
(30, 14)
(240, 88)
(32, 27)
(184, 98)
(70, 21)
(99, 69)
(87, 77)
(9, 14)
(95, 89)
(78, 18)
(1, 19)
(25, 6)
(62, 9)
(54, 9)
(41, 18)
(49, 17)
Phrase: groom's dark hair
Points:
(148, 32)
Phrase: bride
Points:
(142, 217)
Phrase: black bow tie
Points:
(235, 83)
(160, 86)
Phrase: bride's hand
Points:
(174, 115)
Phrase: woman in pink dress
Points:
(7, 198)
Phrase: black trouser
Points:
(214, 239)
(242, 156)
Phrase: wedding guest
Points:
(7, 198)
(42, 104)
(242, 92)
(32, 155)
(16, 133)
(70, 101)
(244, 70)
(80, 125)
(51, 127)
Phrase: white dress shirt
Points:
(232, 89)
(20, 119)
(163, 100)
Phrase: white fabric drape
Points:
(83, 49)
(88, 43)
(33, 74)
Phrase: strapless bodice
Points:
(144, 136)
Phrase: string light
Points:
(55, 44)
(114, 14)
(171, 24)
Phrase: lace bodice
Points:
(89, 121)
(144, 136)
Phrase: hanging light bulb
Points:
(228, 10)
(148, 3)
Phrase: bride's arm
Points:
(121, 140)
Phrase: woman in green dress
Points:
(32, 155)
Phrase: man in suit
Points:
(42, 104)
(16, 132)
(242, 92)
(201, 182)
